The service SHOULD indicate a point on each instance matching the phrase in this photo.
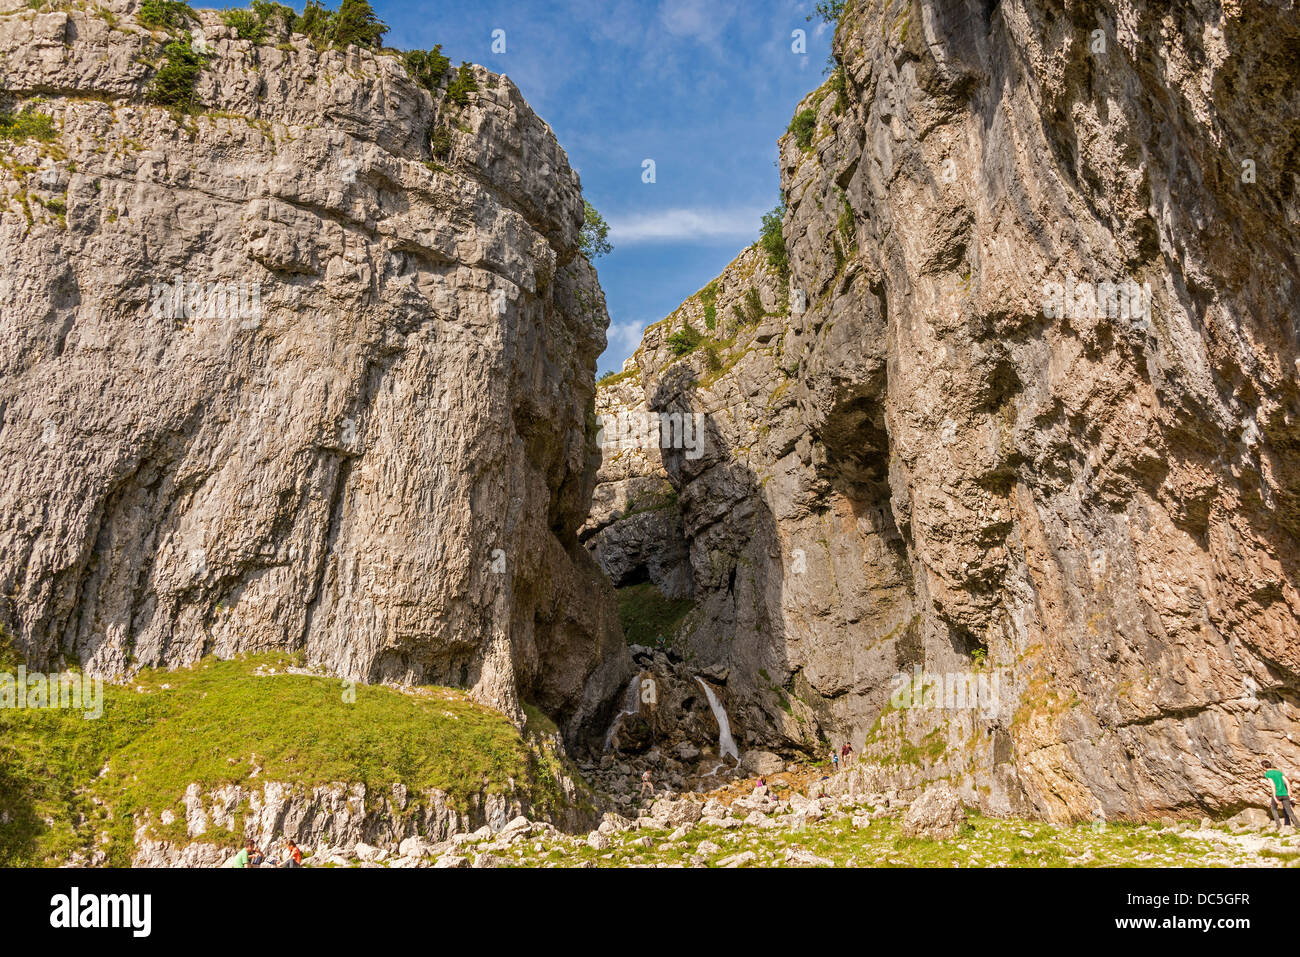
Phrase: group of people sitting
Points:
(251, 856)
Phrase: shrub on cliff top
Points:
(464, 84)
(246, 24)
(316, 22)
(427, 67)
(165, 14)
(357, 24)
(256, 24)
(268, 10)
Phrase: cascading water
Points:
(631, 705)
(726, 745)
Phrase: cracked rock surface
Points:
(381, 457)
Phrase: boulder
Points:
(738, 860)
(415, 847)
(762, 762)
(1251, 818)
(937, 814)
(675, 813)
(801, 857)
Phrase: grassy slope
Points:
(216, 723)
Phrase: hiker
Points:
(242, 857)
(835, 759)
(255, 856)
(846, 755)
(1278, 793)
(646, 785)
(293, 854)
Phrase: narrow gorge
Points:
(1013, 401)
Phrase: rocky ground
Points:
(789, 824)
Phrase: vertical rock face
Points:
(1039, 423)
(375, 446)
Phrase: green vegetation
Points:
(752, 307)
(427, 67)
(593, 240)
(222, 722)
(647, 616)
(27, 124)
(611, 377)
(356, 24)
(165, 14)
(9, 656)
(709, 299)
(838, 86)
(463, 85)
(685, 340)
(441, 142)
(173, 84)
(982, 842)
(247, 24)
(772, 242)
(316, 22)
(828, 11)
(268, 10)
(803, 126)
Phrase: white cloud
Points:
(623, 338)
(684, 225)
(700, 19)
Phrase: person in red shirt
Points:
(294, 854)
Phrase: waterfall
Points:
(726, 746)
(631, 705)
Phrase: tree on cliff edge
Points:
(357, 23)
(594, 238)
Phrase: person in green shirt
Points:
(241, 859)
(1278, 793)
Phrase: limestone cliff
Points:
(307, 366)
(1031, 411)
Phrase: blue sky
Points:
(702, 87)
